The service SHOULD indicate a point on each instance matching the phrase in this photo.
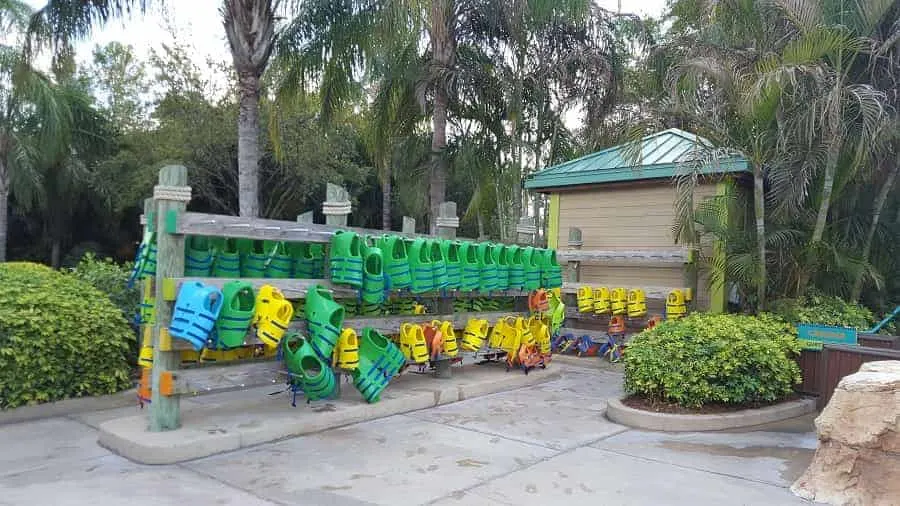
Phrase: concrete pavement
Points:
(544, 444)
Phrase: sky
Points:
(198, 26)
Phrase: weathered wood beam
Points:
(295, 289)
(651, 292)
(165, 412)
(259, 228)
(384, 324)
(676, 256)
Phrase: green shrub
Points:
(704, 358)
(824, 310)
(111, 279)
(59, 337)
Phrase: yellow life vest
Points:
(346, 353)
(585, 296)
(474, 334)
(451, 347)
(273, 315)
(412, 343)
(601, 301)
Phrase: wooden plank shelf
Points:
(648, 256)
(651, 292)
(238, 227)
(229, 376)
(388, 325)
(295, 289)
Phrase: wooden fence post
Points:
(409, 225)
(447, 221)
(171, 195)
(336, 207)
(525, 231)
(574, 267)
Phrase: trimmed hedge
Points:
(59, 337)
(704, 358)
(824, 310)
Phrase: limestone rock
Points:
(858, 458)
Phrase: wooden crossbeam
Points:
(645, 257)
(388, 325)
(259, 228)
(295, 289)
(651, 292)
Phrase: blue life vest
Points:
(196, 310)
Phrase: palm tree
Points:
(60, 21)
(34, 120)
(825, 44)
(395, 114)
(250, 27)
(28, 98)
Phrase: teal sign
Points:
(815, 336)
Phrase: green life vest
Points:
(551, 271)
(198, 257)
(345, 259)
(421, 266)
(236, 314)
(439, 264)
(227, 263)
(279, 264)
(308, 372)
(471, 270)
(487, 281)
(373, 276)
(516, 267)
(379, 361)
(396, 264)
(324, 320)
(308, 260)
(499, 254)
(450, 252)
(253, 258)
(530, 259)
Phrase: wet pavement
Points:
(546, 444)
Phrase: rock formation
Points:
(857, 461)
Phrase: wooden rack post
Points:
(165, 413)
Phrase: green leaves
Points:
(824, 310)
(59, 338)
(729, 359)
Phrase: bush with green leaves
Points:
(824, 310)
(705, 358)
(59, 337)
(112, 279)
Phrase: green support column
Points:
(718, 298)
(171, 196)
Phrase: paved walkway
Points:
(542, 445)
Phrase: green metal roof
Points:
(663, 155)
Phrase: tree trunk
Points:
(870, 236)
(759, 205)
(437, 189)
(55, 248)
(386, 199)
(248, 145)
(4, 205)
(831, 161)
(4, 219)
(443, 45)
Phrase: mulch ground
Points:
(642, 403)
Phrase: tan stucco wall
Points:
(623, 217)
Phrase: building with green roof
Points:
(622, 199)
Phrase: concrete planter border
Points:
(201, 437)
(618, 412)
